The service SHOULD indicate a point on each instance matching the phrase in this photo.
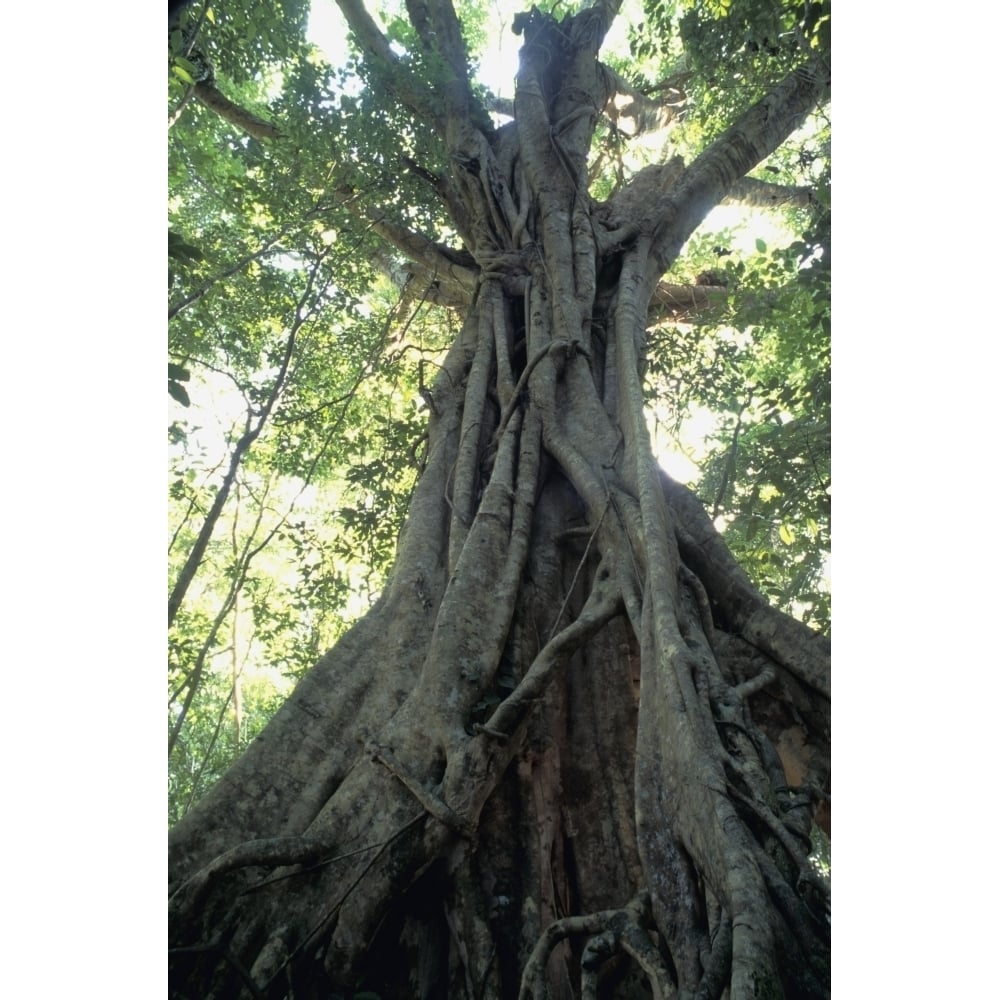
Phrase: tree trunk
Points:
(547, 762)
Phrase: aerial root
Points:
(271, 852)
(804, 912)
(609, 933)
(754, 684)
(717, 961)
(704, 605)
(804, 907)
(798, 850)
(436, 807)
(277, 852)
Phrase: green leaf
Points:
(182, 74)
(177, 373)
(761, 245)
(786, 534)
(178, 392)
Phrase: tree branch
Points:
(213, 98)
(252, 430)
(646, 114)
(438, 258)
(763, 194)
(399, 79)
(755, 135)
(440, 33)
(243, 262)
(685, 302)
